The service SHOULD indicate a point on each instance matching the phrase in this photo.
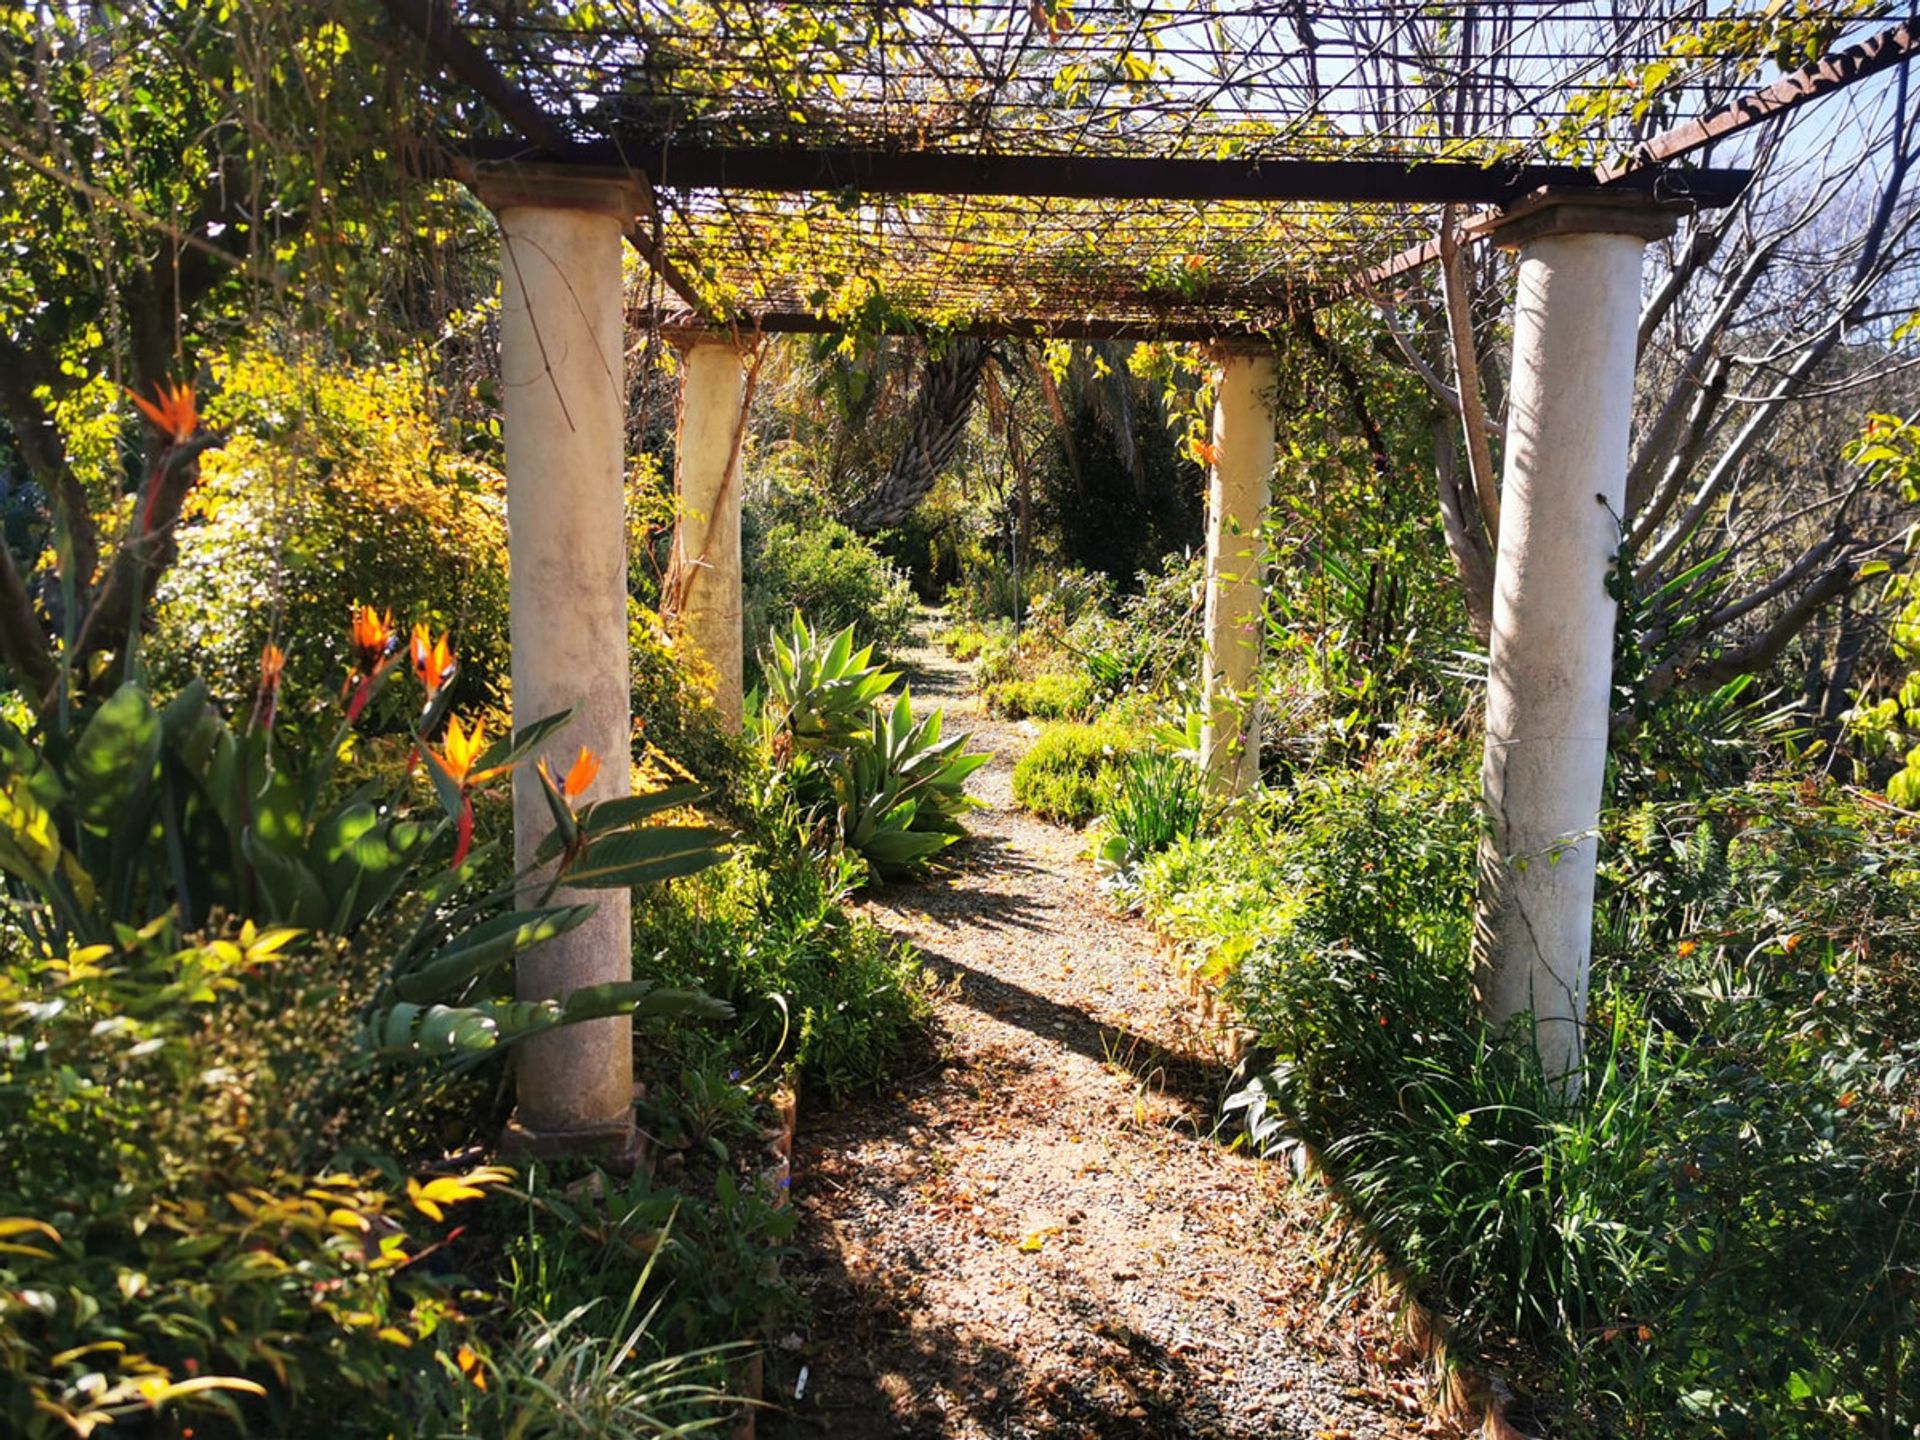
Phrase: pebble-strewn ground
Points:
(1033, 1232)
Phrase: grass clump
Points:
(1061, 777)
(1155, 801)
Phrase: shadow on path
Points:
(1034, 1234)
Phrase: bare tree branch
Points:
(1466, 368)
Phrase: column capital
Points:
(1220, 351)
(1587, 212)
(689, 334)
(508, 185)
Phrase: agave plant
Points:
(895, 785)
(901, 793)
(820, 689)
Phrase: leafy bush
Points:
(674, 715)
(335, 486)
(1061, 776)
(965, 642)
(712, 1226)
(998, 658)
(1044, 697)
(1714, 1240)
(991, 589)
(177, 1240)
(818, 989)
(892, 785)
(823, 569)
(156, 818)
(192, 1238)
(1152, 640)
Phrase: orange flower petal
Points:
(585, 767)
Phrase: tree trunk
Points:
(939, 422)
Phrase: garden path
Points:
(1032, 1232)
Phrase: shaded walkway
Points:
(1032, 1233)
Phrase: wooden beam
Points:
(790, 322)
(1823, 77)
(673, 166)
(1829, 73)
(1723, 187)
(436, 25)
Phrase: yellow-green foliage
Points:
(1054, 696)
(962, 642)
(673, 707)
(178, 1235)
(336, 485)
(1060, 778)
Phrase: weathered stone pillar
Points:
(706, 544)
(1237, 494)
(1551, 659)
(563, 400)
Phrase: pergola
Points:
(1087, 169)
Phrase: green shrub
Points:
(965, 642)
(712, 1225)
(824, 570)
(190, 1080)
(336, 486)
(1060, 777)
(990, 589)
(1714, 1240)
(1151, 640)
(998, 658)
(815, 987)
(181, 1236)
(1044, 697)
(148, 820)
(674, 716)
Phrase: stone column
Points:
(1237, 494)
(563, 400)
(706, 545)
(1550, 665)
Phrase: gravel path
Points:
(1034, 1232)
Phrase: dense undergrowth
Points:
(256, 969)
(1719, 1237)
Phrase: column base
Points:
(618, 1145)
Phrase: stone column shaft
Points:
(1550, 666)
(707, 528)
(563, 399)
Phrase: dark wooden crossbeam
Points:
(672, 166)
(1833, 72)
(1826, 75)
(435, 25)
(796, 322)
